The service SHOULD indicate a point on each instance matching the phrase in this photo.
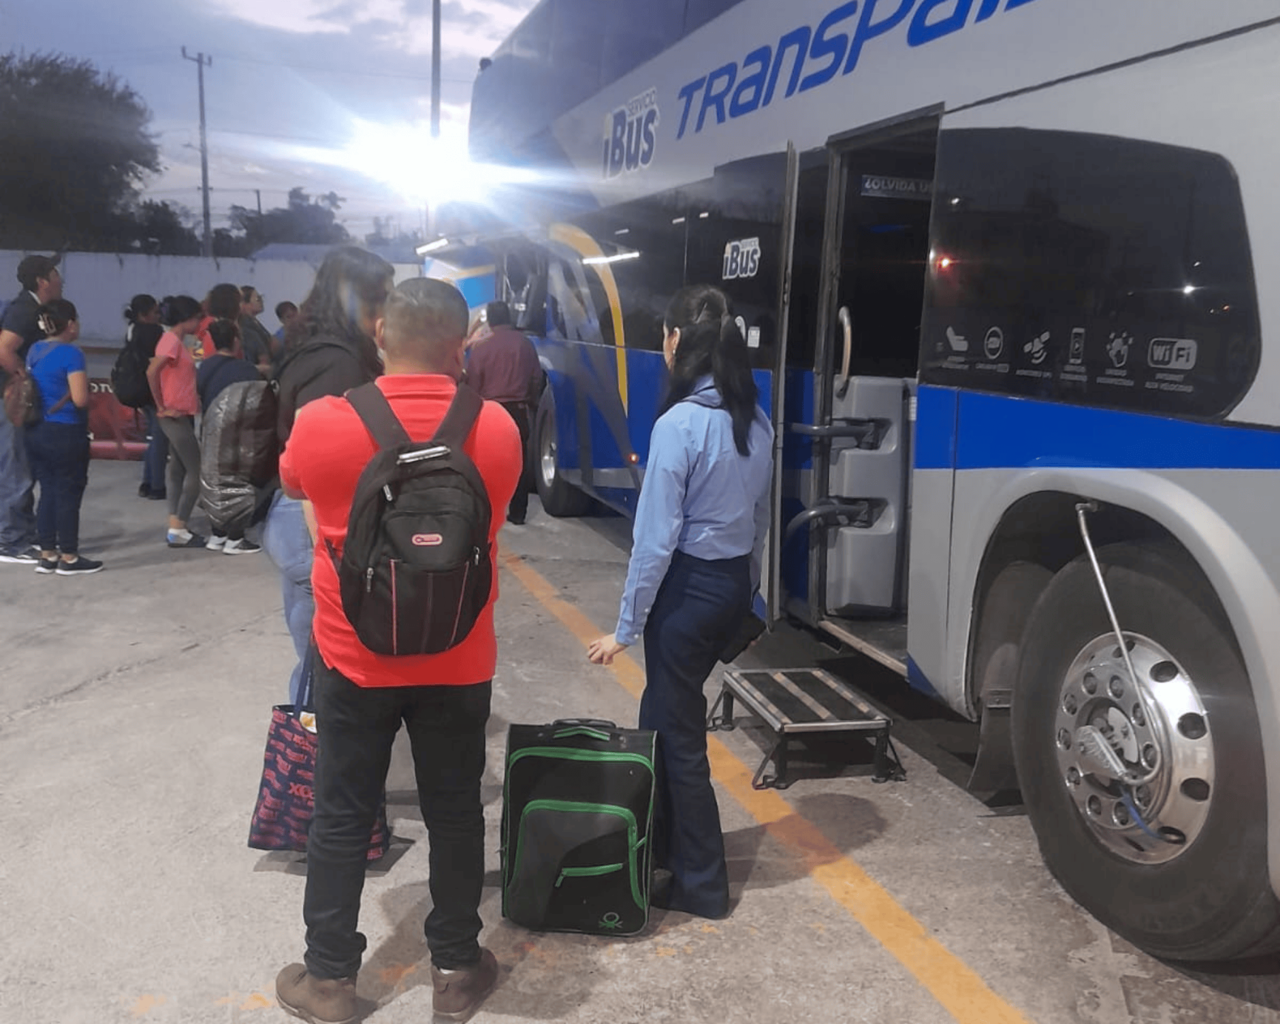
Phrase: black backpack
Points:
(415, 571)
(129, 377)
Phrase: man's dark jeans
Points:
(522, 413)
(357, 726)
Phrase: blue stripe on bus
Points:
(1000, 432)
(935, 427)
(919, 682)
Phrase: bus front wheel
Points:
(559, 497)
(1146, 792)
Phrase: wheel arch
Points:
(1033, 518)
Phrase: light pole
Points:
(435, 69)
(201, 61)
(435, 98)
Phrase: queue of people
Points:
(38, 334)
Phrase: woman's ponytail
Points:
(711, 343)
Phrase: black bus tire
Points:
(1211, 898)
(559, 497)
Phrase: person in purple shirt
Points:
(695, 565)
(504, 367)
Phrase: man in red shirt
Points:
(504, 366)
(362, 697)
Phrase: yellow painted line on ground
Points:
(948, 978)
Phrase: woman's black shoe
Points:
(144, 491)
(159, 495)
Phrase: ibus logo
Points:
(631, 135)
(1171, 354)
(742, 259)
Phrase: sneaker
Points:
(194, 540)
(243, 546)
(19, 556)
(458, 994)
(80, 567)
(144, 490)
(47, 566)
(159, 495)
(316, 1000)
(215, 542)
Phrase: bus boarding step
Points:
(795, 702)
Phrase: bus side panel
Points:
(646, 384)
(933, 494)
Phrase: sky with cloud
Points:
(330, 95)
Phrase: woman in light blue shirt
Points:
(695, 565)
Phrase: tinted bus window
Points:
(1090, 269)
(654, 229)
(735, 243)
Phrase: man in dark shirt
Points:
(19, 330)
(504, 367)
(255, 339)
(226, 366)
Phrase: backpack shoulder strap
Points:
(379, 418)
(456, 426)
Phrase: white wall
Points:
(101, 284)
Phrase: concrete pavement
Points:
(133, 712)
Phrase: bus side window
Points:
(1091, 269)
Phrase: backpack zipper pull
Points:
(368, 580)
(386, 489)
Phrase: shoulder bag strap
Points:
(456, 426)
(379, 418)
(61, 401)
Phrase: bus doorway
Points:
(875, 257)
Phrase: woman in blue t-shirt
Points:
(58, 446)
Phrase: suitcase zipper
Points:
(603, 869)
(573, 806)
(580, 755)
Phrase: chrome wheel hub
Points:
(1138, 765)
(547, 461)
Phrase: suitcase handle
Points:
(599, 723)
(581, 730)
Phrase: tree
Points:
(74, 146)
(387, 232)
(161, 228)
(305, 221)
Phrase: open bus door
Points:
(845, 449)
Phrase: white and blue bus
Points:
(1006, 269)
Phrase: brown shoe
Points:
(316, 1000)
(458, 994)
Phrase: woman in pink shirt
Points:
(172, 376)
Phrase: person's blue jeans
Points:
(288, 544)
(357, 726)
(695, 614)
(59, 454)
(153, 463)
(17, 502)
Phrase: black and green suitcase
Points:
(577, 811)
